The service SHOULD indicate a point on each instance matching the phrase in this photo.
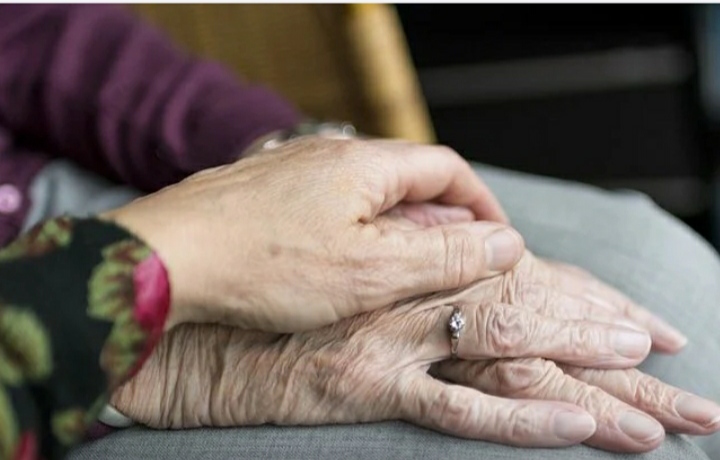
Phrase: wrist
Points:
(152, 278)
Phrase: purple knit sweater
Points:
(94, 84)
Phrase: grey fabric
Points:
(62, 188)
(625, 239)
(389, 440)
(621, 237)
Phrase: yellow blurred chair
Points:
(335, 62)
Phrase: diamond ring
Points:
(455, 326)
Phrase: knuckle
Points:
(519, 424)
(584, 342)
(518, 279)
(522, 377)
(461, 257)
(650, 393)
(452, 410)
(505, 330)
(591, 398)
(631, 385)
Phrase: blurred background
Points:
(621, 96)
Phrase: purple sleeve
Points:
(95, 84)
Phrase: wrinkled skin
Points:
(377, 366)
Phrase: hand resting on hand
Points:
(374, 367)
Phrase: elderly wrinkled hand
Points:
(630, 408)
(375, 367)
(551, 288)
(568, 292)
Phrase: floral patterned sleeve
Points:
(82, 304)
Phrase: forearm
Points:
(82, 304)
(95, 84)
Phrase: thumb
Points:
(449, 256)
(468, 413)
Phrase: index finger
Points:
(419, 173)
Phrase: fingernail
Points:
(698, 410)
(631, 343)
(574, 426)
(640, 427)
(503, 249)
(675, 336)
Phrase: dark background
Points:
(613, 95)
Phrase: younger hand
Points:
(290, 240)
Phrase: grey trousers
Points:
(622, 237)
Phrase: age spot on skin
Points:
(274, 250)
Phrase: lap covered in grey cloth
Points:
(621, 237)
